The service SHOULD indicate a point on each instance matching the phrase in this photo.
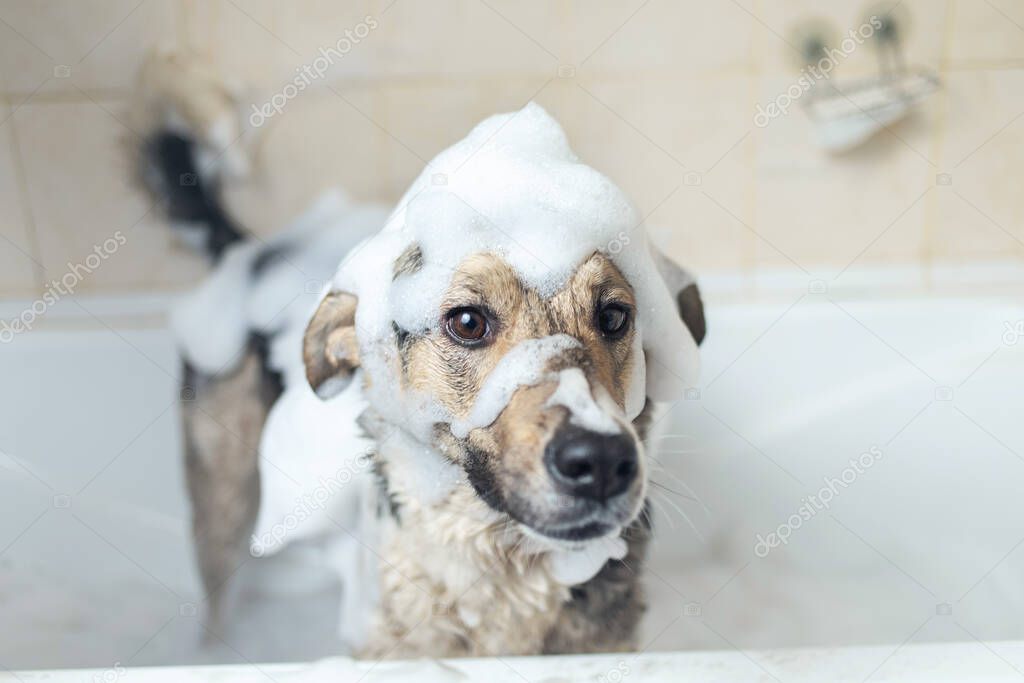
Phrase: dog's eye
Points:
(613, 320)
(467, 326)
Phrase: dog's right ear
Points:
(330, 349)
(683, 288)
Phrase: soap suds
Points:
(313, 456)
(524, 365)
(212, 324)
(578, 565)
(514, 188)
(574, 393)
(573, 563)
(419, 470)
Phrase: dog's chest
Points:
(454, 583)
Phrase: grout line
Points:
(181, 16)
(663, 76)
(21, 178)
(563, 17)
(939, 138)
(750, 259)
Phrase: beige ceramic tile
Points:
(454, 38)
(338, 39)
(540, 22)
(990, 31)
(680, 36)
(981, 155)
(590, 24)
(77, 171)
(966, 230)
(17, 254)
(245, 40)
(655, 136)
(24, 67)
(984, 110)
(823, 210)
(835, 220)
(695, 120)
(839, 217)
(424, 118)
(115, 61)
(85, 44)
(705, 225)
(319, 142)
(609, 141)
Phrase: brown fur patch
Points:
(408, 262)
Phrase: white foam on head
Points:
(574, 393)
(523, 365)
(514, 188)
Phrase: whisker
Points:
(673, 491)
(656, 504)
(686, 517)
(682, 484)
(677, 451)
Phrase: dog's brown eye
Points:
(613, 320)
(466, 325)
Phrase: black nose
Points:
(591, 465)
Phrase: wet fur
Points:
(457, 578)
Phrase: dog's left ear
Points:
(330, 349)
(683, 287)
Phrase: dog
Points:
(476, 379)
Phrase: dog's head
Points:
(524, 366)
(536, 386)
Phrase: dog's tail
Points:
(188, 193)
(192, 140)
(190, 144)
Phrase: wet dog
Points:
(480, 367)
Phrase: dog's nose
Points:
(591, 465)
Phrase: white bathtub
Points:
(922, 545)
